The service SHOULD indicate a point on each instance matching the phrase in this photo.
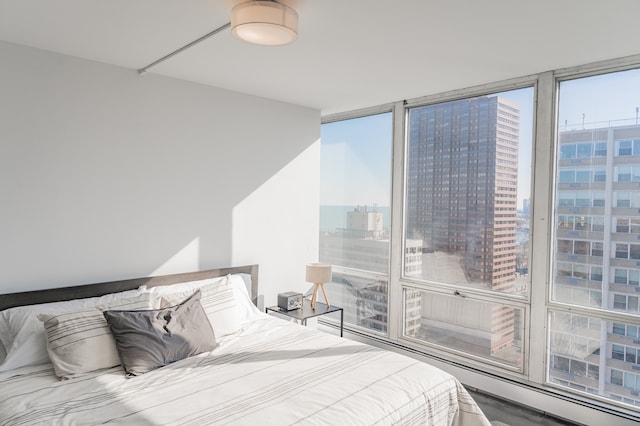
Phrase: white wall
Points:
(105, 175)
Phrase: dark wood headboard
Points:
(92, 290)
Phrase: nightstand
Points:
(306, 312)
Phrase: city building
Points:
(598, 260)
(364, 246)
(462, 177)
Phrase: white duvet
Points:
(271, 372)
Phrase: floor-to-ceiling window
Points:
(593, 317)
(355, 216)
(467, 194)
(515, 245)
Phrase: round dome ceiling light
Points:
(267, 23)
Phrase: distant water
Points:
(335, 217)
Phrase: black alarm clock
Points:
(290, 300)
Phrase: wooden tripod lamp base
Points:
(318, 274)
(314, 298)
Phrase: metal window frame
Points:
(539, 304)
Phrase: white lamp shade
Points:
(318, 273)
(264, 22)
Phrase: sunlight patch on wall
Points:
(185, 260)
(276, 226)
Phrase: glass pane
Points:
(600, 149)
(363, 296)
(622, 225)
(488, 330)
(617, 352)
(568, 151)
(624, 148)
(468, 173)
(566, 199)
(596, 273)
(567, 176)
(622, 251)
(598, 110)
(623, 173)
(620, 276)
(581, 271)
(598, 201)
(623, 199)
(575, 340)
(565, 269)
(618, 328)
(583, 176)
(584, 150)
(612, 123)
(565, 222)
(355, 220)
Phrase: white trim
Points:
(540, 225)
(395, 308)
(595, 68)
(359, 113)
(469, 92)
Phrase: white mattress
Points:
(272, 372)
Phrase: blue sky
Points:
(356, 161)
(602, 98)
(356, 154)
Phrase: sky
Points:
(355, 161)
(356, 153)
(602, 99)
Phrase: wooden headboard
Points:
(98, 289)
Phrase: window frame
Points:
(352, 115)
(538, 304)
(518, 301)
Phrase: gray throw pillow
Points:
(149, 339)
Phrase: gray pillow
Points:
(149, 339)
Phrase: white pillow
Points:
(224, 299)
(183, 286)
(80, 341)
(22, 334)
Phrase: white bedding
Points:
(271, 372)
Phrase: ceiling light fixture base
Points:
(267, 23)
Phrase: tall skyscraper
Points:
(462, 176)
(462, 185)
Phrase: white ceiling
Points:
(349, 53)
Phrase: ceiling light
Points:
(267, 23)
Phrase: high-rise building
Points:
(462, 178)
(597, 261)
(364, 246)
(462, 184)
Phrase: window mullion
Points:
(540, 225)
(397, 199)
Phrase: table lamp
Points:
(318, 274)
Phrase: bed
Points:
(252, 369)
